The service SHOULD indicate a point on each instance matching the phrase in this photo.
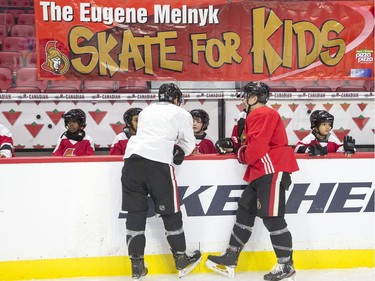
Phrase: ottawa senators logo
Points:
(69, 152)
(56, 62)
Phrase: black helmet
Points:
(260, 89)
(169, 92)
(77, 115)
(321, 116)
(128, 116)
(203, 115)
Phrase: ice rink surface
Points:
(357, 274)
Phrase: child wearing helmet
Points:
(204, 143)
(238, 130)
(270, 162)
(164, 136)
(131, 123)
(74, 141)
(6, 143)
(238, 136)
(320, 141)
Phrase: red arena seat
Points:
(3, 33)
(27, 78)
(351, 89)
(26, 19)
(12, 60)
(133, 87)
(15, 13)
(16, 44)
(7, 19)
(62, 89)
(23, 30)
(98, 86)
(316, 89)
(6, 78)
(20, 3)
(24, 90)
(282, 89)
(63, 86)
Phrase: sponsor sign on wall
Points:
(192, 41)
(74, 209)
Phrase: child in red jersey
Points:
(238, 130)
(269, 163)
(320, 141)
(204, 143)
(74, 142)
(121, 140)
(6, 143)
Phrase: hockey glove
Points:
(241, 154)
(178, 155)
(227, 145)
(349, 145)
(317, 150)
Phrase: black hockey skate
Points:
(225, 263)
(282, 271)
(138, 267)
(185, 263)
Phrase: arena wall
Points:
(60, 217)
(36, 124)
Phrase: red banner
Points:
(210, 41)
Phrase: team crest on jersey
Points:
(56, 62)
(69, 152)
(161, 208)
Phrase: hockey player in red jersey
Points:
(269, 163)
(204, 143)
(131, 123)
(320, 141)
(74, 141)
(6, 143)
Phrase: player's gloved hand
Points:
(317, 149)
(224, 145)
(349, 145)
(241, 154)
(313, 151)
(227, 145)
(178, 155)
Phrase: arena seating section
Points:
(18, 63)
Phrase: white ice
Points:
(357, 274)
